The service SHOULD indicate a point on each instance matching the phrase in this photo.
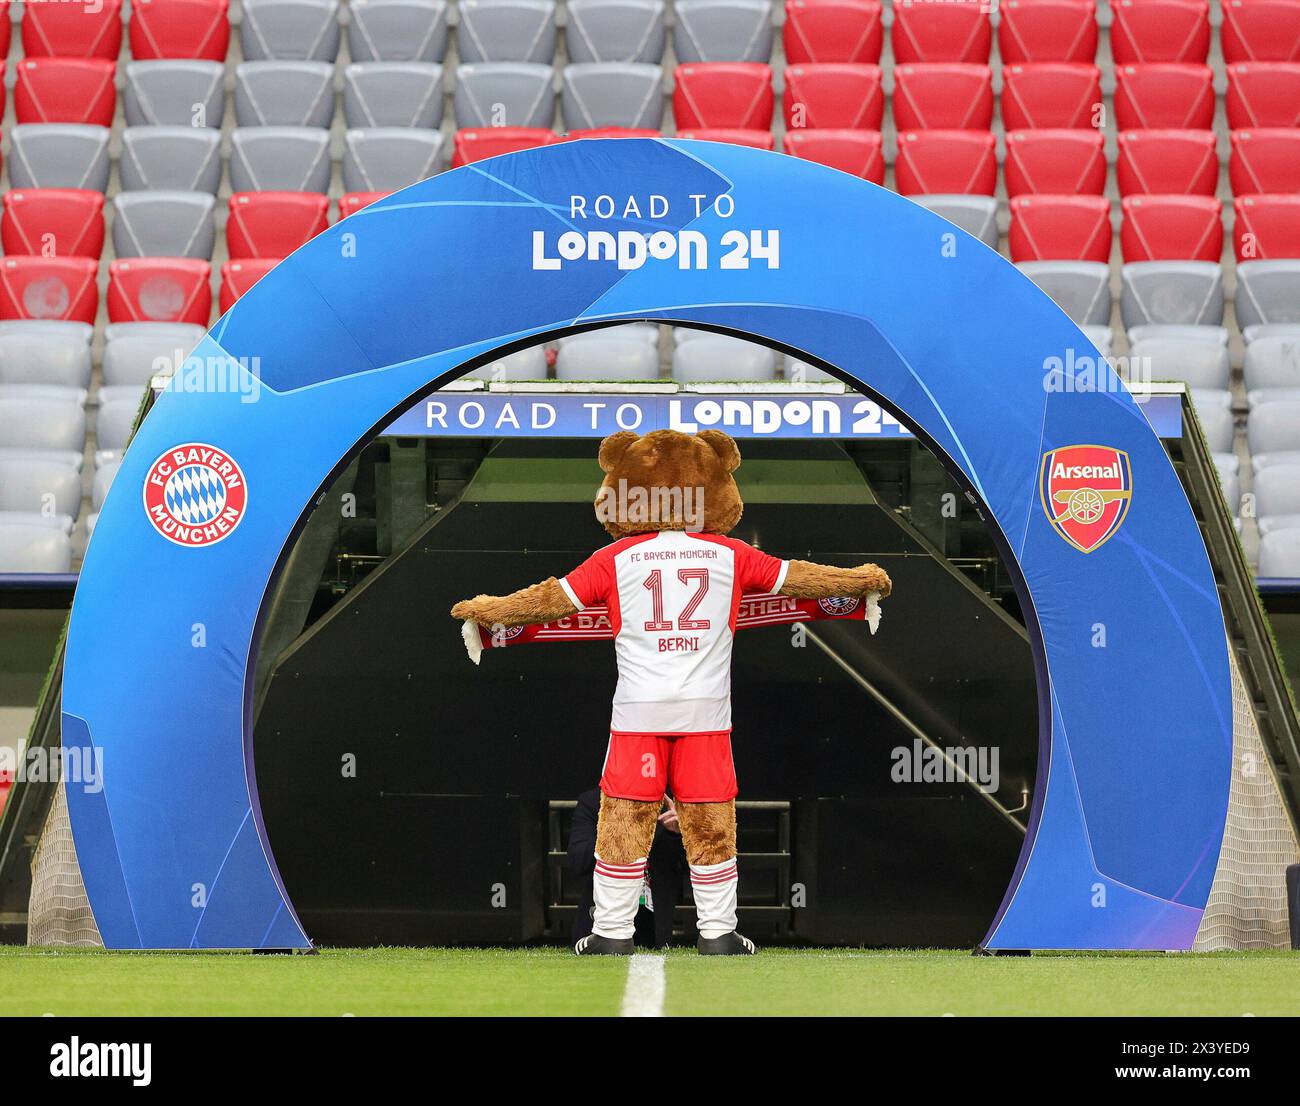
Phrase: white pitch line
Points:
(643, 994)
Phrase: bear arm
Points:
(806, 580)
(544, 602)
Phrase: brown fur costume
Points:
(698, 470)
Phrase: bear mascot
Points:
(672, 581)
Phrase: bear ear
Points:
(613, 448)
(724, 446)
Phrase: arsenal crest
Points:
(1086, 490)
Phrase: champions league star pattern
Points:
(1124, 835)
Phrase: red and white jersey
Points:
(672, 599)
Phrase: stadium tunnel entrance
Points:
(411, 799)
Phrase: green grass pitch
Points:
(553, 981)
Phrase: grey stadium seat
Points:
(175, 93)
(58, 155)
(42, 420)
(1197, 364)
(1272, 362)
(397, 30)
(1171, 292)
(284, 94)
(59, 358)
(290, 30)
(1260, 461)
(183, 159)
(719, 357)
(1279, 554)
(1277, 490)
(1079, 288)
(115, 419)
(161, 223)
(1229, 468)
(642, 332)
(1274, 426)
(393, 94)
(524, 364)
(613, 94)
(976, 215)
(135, 358)
(29, 543)
(505, 94)
(1214, 335)
(506, 30)
(40, 327)
(43, 483)
(616, 30)
(1268, 292)
(279, 159)
(600, 358)
(188, 335)
(800, 372)
(384, 159)
(1270, 330)
(103, 480)
(1218, 425)
(722, 30)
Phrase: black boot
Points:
(729, 944)
(595, 945)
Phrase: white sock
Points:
(714, 889)
(616, 892)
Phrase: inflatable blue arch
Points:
(1122, 611)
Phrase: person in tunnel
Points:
(661, 889)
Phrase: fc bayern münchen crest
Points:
(842, 604)
(195, 495)
(1086, 492)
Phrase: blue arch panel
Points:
(1128, 637)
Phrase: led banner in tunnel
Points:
(456, 271)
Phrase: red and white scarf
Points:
(593, 623)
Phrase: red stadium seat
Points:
(613, 132)
(842, 96)
(476, 144)
(1263, 94)
(1047, 30)
(1050, 94)
(1171, 228)
(736, 136)
(1260, 30)
(1182, 162)
(188, 29)
(352, 202)
(6, 29)
(1267, 227)
(955, 30)
(933, 162)
(273, 224)
(1060, 228)
(57, 288)
(1265, 160)
(237, 277)
(856, 152)
(1143, 31)
(53, 222)
(72, 30)
(723, 94)
(943, 97)
(1165, 95)
(65, 90)
(1055, 161)
(160, 289)
(832, 30)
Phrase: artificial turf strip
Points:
(553, 981)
